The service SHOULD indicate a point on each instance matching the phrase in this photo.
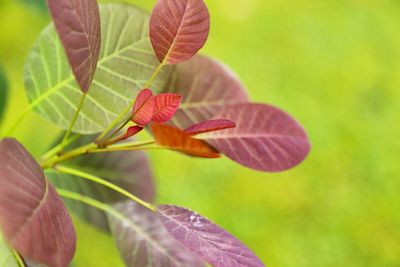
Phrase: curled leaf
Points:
(78, 26)
(175, 139)
(178, 29)
(265, 138)
(207, 86)
(33, 217)
(143, 241)
(166, 106)
(210, 126)
(133, 130)
(204, 238)
(143, 110)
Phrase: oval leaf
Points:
(3, 92)
(166, 106)
(33, 218)
(143, 241)
(210, 126)
(126, 62)
(204, 238)
(206, 87)
(178, 29)
(173, 138)
(78, 26)
(265, 138)
(129, 170)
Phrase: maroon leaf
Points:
(129, 170)
(78, 26)
(143, 241)
(176, 139)
(133, 130)
(143, 110)
(204, 238)
(33, 218)
(210, 126)
(206, 86)
(178, 29)
(265, 138)
(166, 106)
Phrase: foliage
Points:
(97, 81)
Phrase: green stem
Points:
(93, 203)
(105, 183)
(74, 119)
(18, 258)
(92, 149)
(128, 108)
(58, 148)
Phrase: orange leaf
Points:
(173, 138)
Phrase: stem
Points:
(58, 148)
(92, 149)
(66, 136)
(18, 258)
(126, 110)
(94, 203)
(105, 183)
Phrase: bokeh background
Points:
(332, 64)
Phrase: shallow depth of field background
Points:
(335, 66)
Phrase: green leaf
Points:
(126, 62)
(3, 92)
(7, 258)
(129, 170)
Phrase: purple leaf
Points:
(33, 218)
(206, 87)
(129, 170)
(143, 241)
(210, 126)
(212, 243)
(265, 138)
(78, 26)
(178, 29)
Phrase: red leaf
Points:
(33, 217)
(144, 108)
(78, 26)
(133, 130)
(207, 86)
(210, 126)
(265, 138)
(178, 29)
(166, 106)
(176, 139)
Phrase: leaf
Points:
(207, 86)
(144, 108)
(129, 170)
(133, 130)
(175, 139)
(166, 106)
(78, 26)
(7, 258)
(33, 218)
(178, 29)
(3, 92)
(210, 126)
(143, 241)
(265, 138)
(204, 238)
(126, 62)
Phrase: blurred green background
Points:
(332, 64)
